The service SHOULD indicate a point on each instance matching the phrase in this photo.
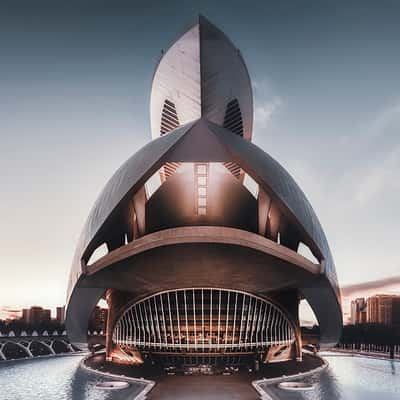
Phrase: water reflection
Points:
(393, 367)
(55, 378)
(349, 378)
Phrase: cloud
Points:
(8, 312)
(379, 179)
(266, 103)
(370, 158)
(264, 111)
(378, 284)
(384, 119)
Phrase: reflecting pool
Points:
(58, 378)
(348, 378)
(61, 378)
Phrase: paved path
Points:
(234, 387)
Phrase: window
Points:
(201, 173)
(201, 211)
(201, 180)
(201, 169)
(202, 201)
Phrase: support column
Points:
(116, 301)
(289, 300)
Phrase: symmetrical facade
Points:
(198, 267)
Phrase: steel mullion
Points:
(179, 317)
(126, 329)
(241, 322)
(147, 321)
(120, 330)
(286, 332)
(202, 318)
(268, 322)
(152, 321)
(259, 320)
(227, 317)
(219, 317)
(263, 330)
(163, 318)
(170, 319)
(138, 324)
(158, 321)
(279, 327)
(134, 324)
(273, 324)
(253, 321)
(124, 336)
(211, 307)
(130, 325)
(186, 318)
(143, 324)
(234, 319)
(194, 319)
(247, 322)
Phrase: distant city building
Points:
(25, 315)
(60, 314)
(36, 315)
(358, 311)
(98, 319)
(383, 309)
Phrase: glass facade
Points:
(203, 321)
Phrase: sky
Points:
(75, 82)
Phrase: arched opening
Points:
(14, 351)
(100, 252)
(60, 347)
(39, 349)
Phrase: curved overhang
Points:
(200, 256)
(203, 234)
(203, 140)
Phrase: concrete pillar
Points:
(289, 301)
(116, 301)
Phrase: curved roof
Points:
(200, 74)
(212, 143)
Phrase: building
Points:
(60, 314)
(383, 309)
(358, 311)
(98, 319)
(36, 315)
(200, 269)
(25, 315)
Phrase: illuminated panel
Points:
(201, 187)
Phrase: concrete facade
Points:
(202, 233)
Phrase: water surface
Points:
(56, 378)
(349, 378)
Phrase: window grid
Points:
(201, 184)
(203, 320)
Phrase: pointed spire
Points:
(200, 74)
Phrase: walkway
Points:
(233, 387)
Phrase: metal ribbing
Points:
(150, 325)
(169, 118)
(169, 122)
